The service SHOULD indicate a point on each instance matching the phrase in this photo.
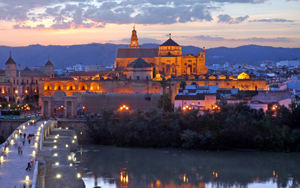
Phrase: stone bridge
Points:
(50, 153)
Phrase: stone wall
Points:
(79, 126)
(7, 126)
(94, 102)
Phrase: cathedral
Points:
(167, 60)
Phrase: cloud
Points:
(17, 26)
(225, 18)
(251, 40)
(142, 40)
(90, 13)
(272, 20)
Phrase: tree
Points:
(165, 103)
(163, 84)
(182, 85)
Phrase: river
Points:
(114, 167)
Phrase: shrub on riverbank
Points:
(236, 126)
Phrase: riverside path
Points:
(13, 166)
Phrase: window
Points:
(27, 81)
(173, 70)
(146, 77)
(36, 81)
(168, 68)
(193, 103)
(255, 88)
(184, 103)
(17, 81)
(58, 88)
(8, 90)
(194, 69)
(14, 81)
(185, 64)
(71, 87)
(82, 88)
(138, 77)
(199, 103)
(189, 60)
(233, 87)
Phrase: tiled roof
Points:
(138, 63)
(49, 63)
(169, 42)
(10, 60)
(28, 72)
(137, 52)
(101, 73)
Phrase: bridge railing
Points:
(35, 175)
(45, 131)
(13, 134)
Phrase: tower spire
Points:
(169, 35)
(134, 39)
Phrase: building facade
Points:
(24, 82)
(166, 60)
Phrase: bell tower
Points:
(134, 40)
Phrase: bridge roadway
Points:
(12, 168)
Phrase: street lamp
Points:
(83, 107)
(186, 108)
(124, 107)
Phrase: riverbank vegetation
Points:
(233, 126)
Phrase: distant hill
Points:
(89, 54)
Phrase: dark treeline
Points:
(235, 126)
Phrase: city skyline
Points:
(206, 23)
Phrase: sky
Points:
(201, 23)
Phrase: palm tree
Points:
(182, 85)
(163, 84)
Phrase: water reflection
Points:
(154, 168)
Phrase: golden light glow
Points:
(2, 158)
(71, 164)
(54, 141)
(58, 175)
(69, 157)
(216, 174)
(78, 175)
(16, 91)
(273, 172)
(12, 142)
(33, 152)
(67, 145)
(56, 163)
(26, 91)
(27, 178)
(75, 137)
(73, 141)
(55, 146)
(7, 150)
(124, 177)
(35, 145)
(55, 155)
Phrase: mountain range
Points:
(95, 53)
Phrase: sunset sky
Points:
(209, 23)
